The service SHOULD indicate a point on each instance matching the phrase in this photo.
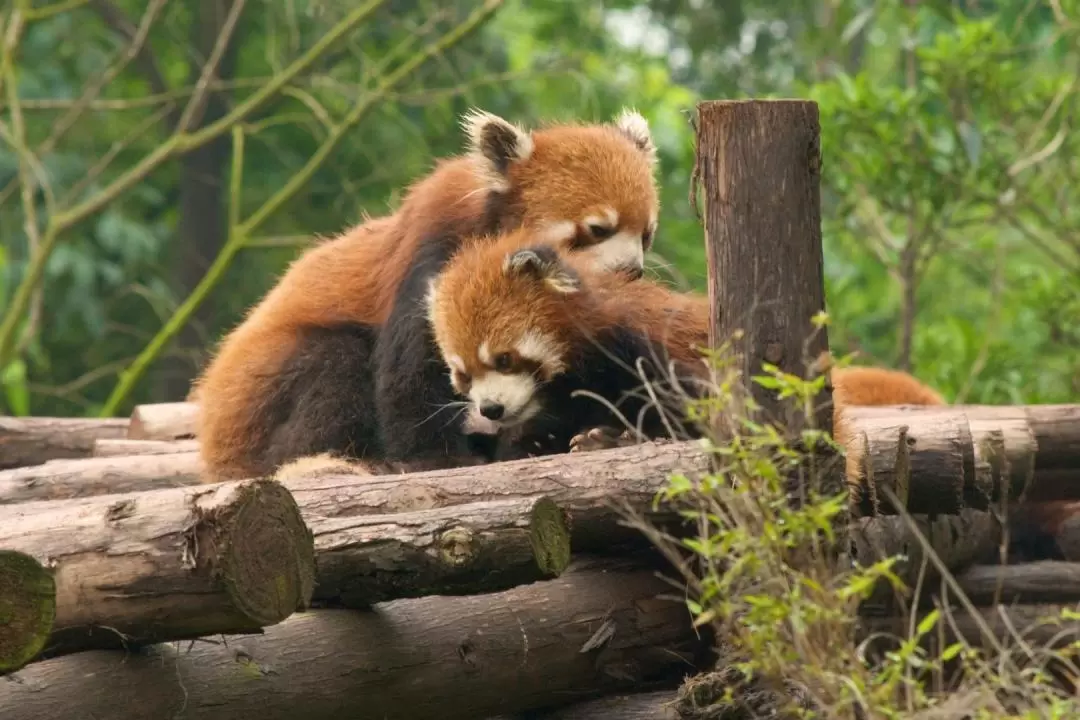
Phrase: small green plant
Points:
(767, 568)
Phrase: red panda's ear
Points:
(634, 125)
(496, 144)
(543, 263)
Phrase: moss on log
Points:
(27, 609)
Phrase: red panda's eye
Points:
(503, 362)
(601, 232)
(646, 238)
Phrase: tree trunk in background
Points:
(202, 226)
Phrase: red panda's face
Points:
(501, 323)
(583, 188)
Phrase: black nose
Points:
(492, 411)
(634, 272)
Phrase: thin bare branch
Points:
(197, 102)
(177, 144)
(238, 234)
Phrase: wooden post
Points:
(760, 163)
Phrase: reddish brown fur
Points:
(481, 303)
(478, 301)
(354, 277)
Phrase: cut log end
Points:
(261, 536)
(27, 608)
(549, 534)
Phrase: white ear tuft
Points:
(496, 144)
(634, 125)
(543, 263)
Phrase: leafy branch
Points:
(177, 144)
(240, 232)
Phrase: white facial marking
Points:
(557, 232)
(514, 392)
(456, 363)
(623, 249)
(539, 348)
(609, 218)
(484, 353)
(431, 299)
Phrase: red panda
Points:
(339, 347)
(521, 327)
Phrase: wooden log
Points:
(27, 609)
(1035, 623)
(595, 630)
(760, 164)
(1046, 581)
(959, 541)
(465, 549)
(592, 488)
(1040, 443)
(163, 421)
(941, 457)
(879, 456)
(167, 564)
(117, 447)
(34, 440)
(639, 706)
(89, 477)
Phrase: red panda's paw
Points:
(602, 438)
(313, 466)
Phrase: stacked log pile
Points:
(461, 593)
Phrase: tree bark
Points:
(640, 706)
(595, 630)
(1040, 442)
(89, 477)
(1045, 581)
(941, 466)
(467, 549)
(593, 488)
(34, 440)
(27, 609)
(760, 164)
(959, 541)
(122, 447)
(163, 421)
(167, 564)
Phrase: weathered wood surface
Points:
(466, 549)
(597, 629)
(760, 164)
(163, 421)
(1045, 581)
(34, 440)
(27, 609)
(123, 447)
(89, 477)
(1034, 623)
(167, 564)
(1041, 442)
(591, 487)
(959, 540)
(639, 706)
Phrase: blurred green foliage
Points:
(952, 237)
